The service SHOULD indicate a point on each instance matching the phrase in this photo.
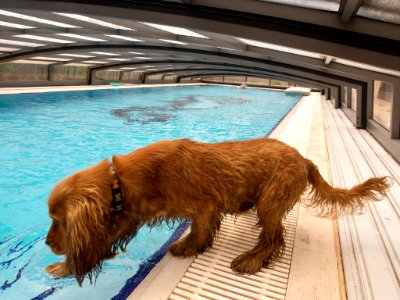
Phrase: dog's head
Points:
(83, 227)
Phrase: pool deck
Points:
(354, 257)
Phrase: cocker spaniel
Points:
(97, 211)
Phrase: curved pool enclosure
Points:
(47, 136)
(348, 50)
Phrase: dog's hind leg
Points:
(276, 199)
(202, 232)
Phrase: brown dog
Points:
(186, 179)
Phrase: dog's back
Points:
(230, 174)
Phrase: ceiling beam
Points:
(333, 70)
(365, 46)
(300, 14)
(348, 9)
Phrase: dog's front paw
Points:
(58, 270)
(182, 249)
(246, 264)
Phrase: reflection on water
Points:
(150, 114)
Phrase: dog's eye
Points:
(60, 222)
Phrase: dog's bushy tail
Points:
(328, 198)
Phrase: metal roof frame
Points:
(321, 48)
(331, 38)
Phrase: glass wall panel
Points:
(189, 79)
(69, 73)
(279, 83)
(132, 76)
(170, 77)
(234, 79)
(258, 81)
(107, 75)
(155, 77)
(382, 10)
(353, 101)
(382, 106)
(14, 71)
(344, 100)
(214, 79)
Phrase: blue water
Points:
(46, 136)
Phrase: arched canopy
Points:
(340, 38)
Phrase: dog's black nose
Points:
(47, 242)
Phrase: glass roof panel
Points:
(8, 49)
(15, 25)
(121, 37)
(82, 37)
(40, 38)
(280, 48)
(94, 21)
(382, 10)
(366, 67)
(50, 58)
(94, 62)
(76, 55)
(230, 49)
(35, 62)
(105, 53)
(119, 59)
(76, 64)
(176, 30)
(35, 19)
(20, 43)
(173, 42)
(328, 5)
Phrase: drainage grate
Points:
(210, 276)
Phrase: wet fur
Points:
(185, 179)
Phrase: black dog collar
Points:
(117, 201)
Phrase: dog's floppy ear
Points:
(86, 234)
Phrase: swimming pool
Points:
(46, 136)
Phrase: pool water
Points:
(47, 136)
